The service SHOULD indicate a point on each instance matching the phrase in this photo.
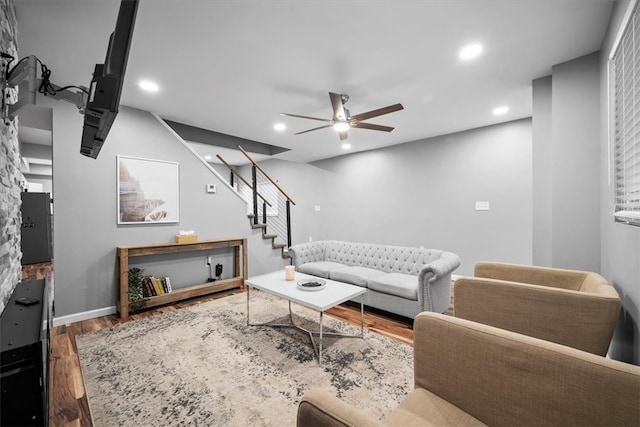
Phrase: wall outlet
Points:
(316, 208)
(482, 206)
(211, 188)
(310, 239)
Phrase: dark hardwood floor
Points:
(68, 404)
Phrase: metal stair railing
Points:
(242, 184)
(282, 199)
(273, 202)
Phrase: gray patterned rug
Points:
(203, 366)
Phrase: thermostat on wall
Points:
(211, 188)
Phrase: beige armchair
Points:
(575, 308)
(468, 374)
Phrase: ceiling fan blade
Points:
(371, 126)
(309, 130)
(338, 109)
(306, 117)
(378, 112)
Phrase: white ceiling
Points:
(233, 66)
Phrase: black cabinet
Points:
(24, 358)
(36, 228)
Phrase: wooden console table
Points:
(127, 252)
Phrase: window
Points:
(626, 121)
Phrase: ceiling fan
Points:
(343, 120)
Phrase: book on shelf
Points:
(154, 286)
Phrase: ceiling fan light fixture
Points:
(341, 126)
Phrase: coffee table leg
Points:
(248, 287)
(320, 347)
(361, 318)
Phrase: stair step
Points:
(258, 226)
(269, 236)
(279, 245)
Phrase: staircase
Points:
(267, 202)
(284, 250)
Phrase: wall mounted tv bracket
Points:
(25, 77)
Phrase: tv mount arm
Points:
(25, 77)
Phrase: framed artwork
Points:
(148, 191)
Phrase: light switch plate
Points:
(482, 206)
(211, 188)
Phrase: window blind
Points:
(626, 70)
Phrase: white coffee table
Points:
(332, 294)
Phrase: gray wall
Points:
(542, 172)
(423, 193)
(85, 230)
(575, 164)
(620, 243)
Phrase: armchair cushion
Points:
(424, 408)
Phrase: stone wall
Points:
(11, 179)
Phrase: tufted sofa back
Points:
(390, 259)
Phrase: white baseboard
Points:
(92, 314)
(85, 315)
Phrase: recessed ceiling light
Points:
(470, 51)
(207, 157)
(279, 127)
(148, 86)
(346, 146)
(499, 111)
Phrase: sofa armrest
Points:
(320, 408)
(577, 319)
(434, 283)
(504, 378)
(307, 252)
(442, 266)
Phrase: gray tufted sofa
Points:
(400, 280)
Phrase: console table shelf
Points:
(127, 252)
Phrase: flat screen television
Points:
(106, 84)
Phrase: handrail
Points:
(266, 174)
(234, 171)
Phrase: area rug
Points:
(203, 366)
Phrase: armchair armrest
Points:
(577, 319)
(320, 408)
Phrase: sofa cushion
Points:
(398, 284)
(319, 268)
(358, 276)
